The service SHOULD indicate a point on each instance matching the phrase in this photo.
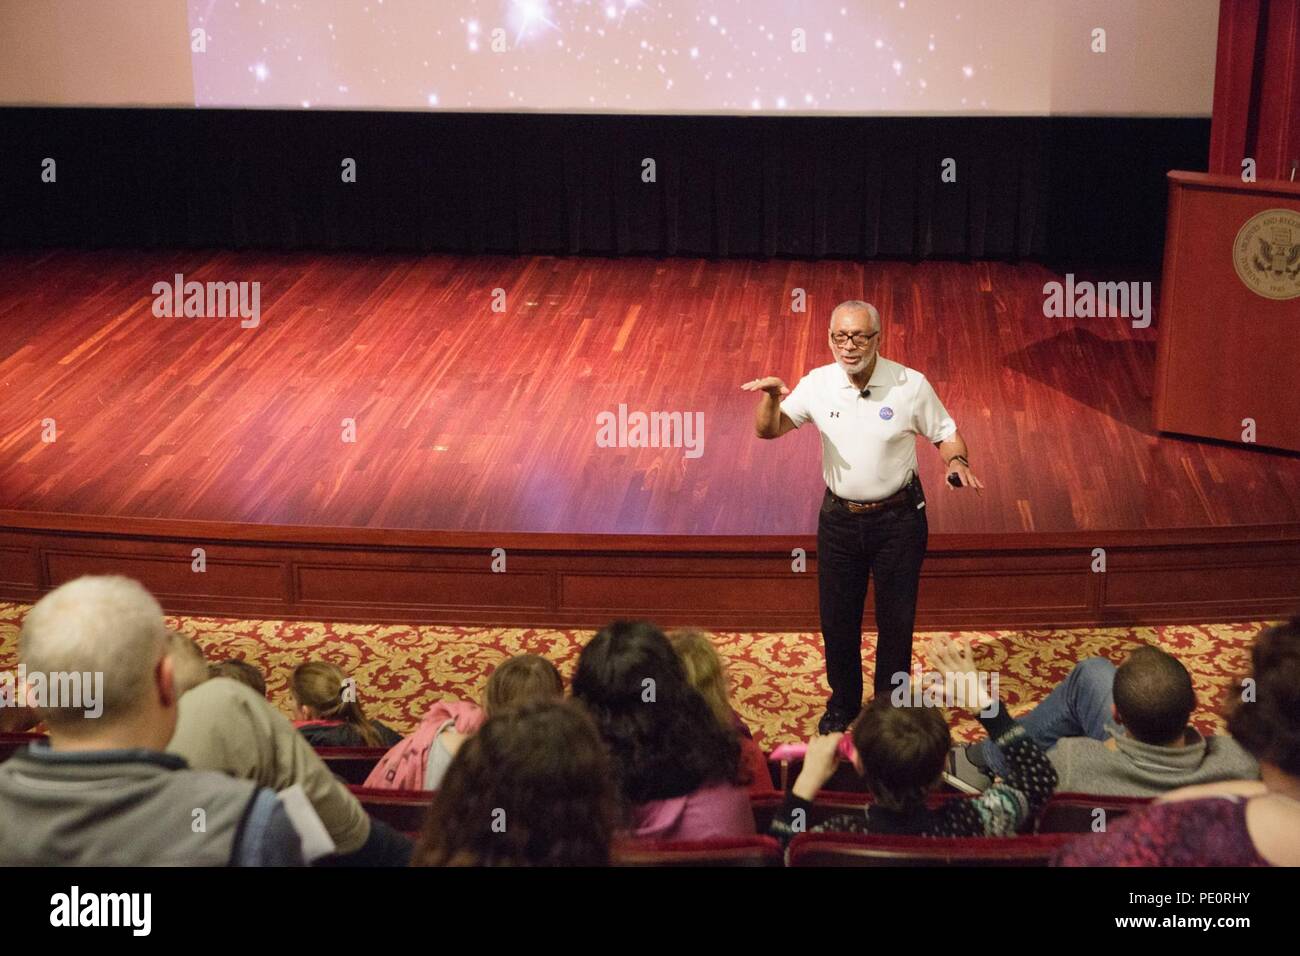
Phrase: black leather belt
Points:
(899, 497)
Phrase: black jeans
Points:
(889, 544)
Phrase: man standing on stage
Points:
(872, 522)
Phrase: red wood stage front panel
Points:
(1049, 580)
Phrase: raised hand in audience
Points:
(1031, 779)
(960, 678)
(819, 765)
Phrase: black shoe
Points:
(834, 721)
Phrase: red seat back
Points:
(1077, 812)
(353, 764)
(845, 849)
(403, 810)
(1065, 812)
(828, 804)
(757, 851)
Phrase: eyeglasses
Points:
(859, 338)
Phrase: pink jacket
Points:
(402, 768)
(718, 810)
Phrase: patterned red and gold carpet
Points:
(778, 680)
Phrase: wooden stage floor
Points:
(482, 423)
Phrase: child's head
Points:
(321, 691)
(901, 751)
(521, 680)
(242, 671)
(532, 788)
(317, 689)
(704, 671)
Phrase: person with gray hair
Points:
(103, 792)
(872, 521)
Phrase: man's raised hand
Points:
(772, 385)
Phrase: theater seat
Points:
(844, 849)
(1077, 812)
(828, 804)
(10, 744)
(352, 764)
(403, 810)
(765, 810)
(760, 851)
(1065, 812)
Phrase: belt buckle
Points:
(861, 507)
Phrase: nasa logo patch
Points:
(886, 413)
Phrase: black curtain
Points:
(1027, 187)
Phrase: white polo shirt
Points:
(869, 444)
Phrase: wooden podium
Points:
(1228, 359)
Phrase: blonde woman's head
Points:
(704, 671)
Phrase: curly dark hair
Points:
(1269, 724)
(531, 788)
(662, 737)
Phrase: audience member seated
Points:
(191, 666)
(241, 671)
(328, 713)
(1229, 823)
(103, 792)
(706, 673)
(225, 725)
(677, 768)
(531, 788)
(1119, 732)
(901, 752)
(420, 762)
